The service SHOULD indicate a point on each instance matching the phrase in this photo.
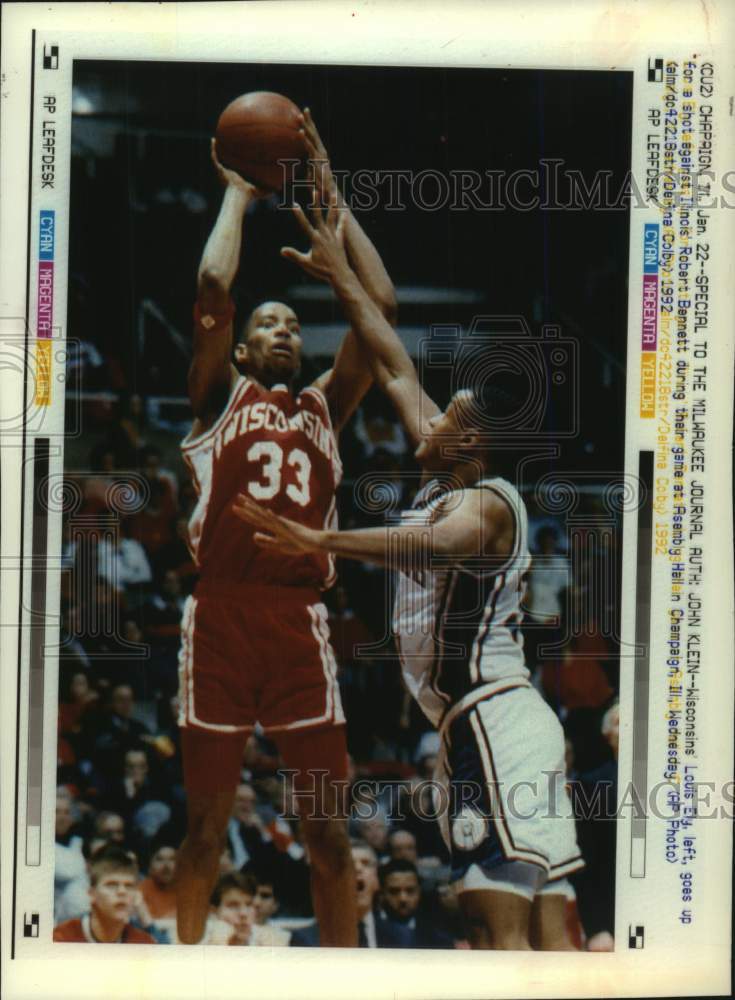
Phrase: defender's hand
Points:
(231, 178)
(276, 532)
(327, 259)
(319, 168)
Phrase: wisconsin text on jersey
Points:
(269, 417)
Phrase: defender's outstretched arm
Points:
(470, 524)
(391, 365)
(350, 377)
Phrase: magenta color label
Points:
(649, 322)
(45, 298)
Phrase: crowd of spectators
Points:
(120, 788)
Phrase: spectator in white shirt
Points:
(123, 564)
(265, 932)
(71, 898)
(550, 576)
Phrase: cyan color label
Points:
(650, 248)
(46, 235)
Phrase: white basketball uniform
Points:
(503, 808)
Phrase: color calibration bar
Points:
(37, 639)
(649, 320)
(45, 299)
(642, 666)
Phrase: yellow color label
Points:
(648, 384)
(43, 372)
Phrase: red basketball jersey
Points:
(281, 451)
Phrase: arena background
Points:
(143, 199)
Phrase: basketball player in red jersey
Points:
(255, 640)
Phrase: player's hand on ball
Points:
(327, 258)
(275, 532)
(231, 178)
(319, 169)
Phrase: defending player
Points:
(463, 555)
(255, 640)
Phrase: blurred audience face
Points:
(270, 787)
(79, 688)
(401, 894)
(73, 618)
(136, 767)
(64, 815)
(113, 896)
(341, 600)
(131, 631)
(449, 898)
(375, 832)
(135, 406)
(402, 846)
(237, 908)
(266, 904)
(244, 805)
(366, 877)
(162, 868)
(121, 701)
(151, 464)
(171, 586)
(110, 826)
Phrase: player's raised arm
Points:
(211, 372)
(348, 380)
(391, 365)
(473, 523)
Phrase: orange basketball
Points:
(257, 130)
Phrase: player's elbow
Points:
(212, 288)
